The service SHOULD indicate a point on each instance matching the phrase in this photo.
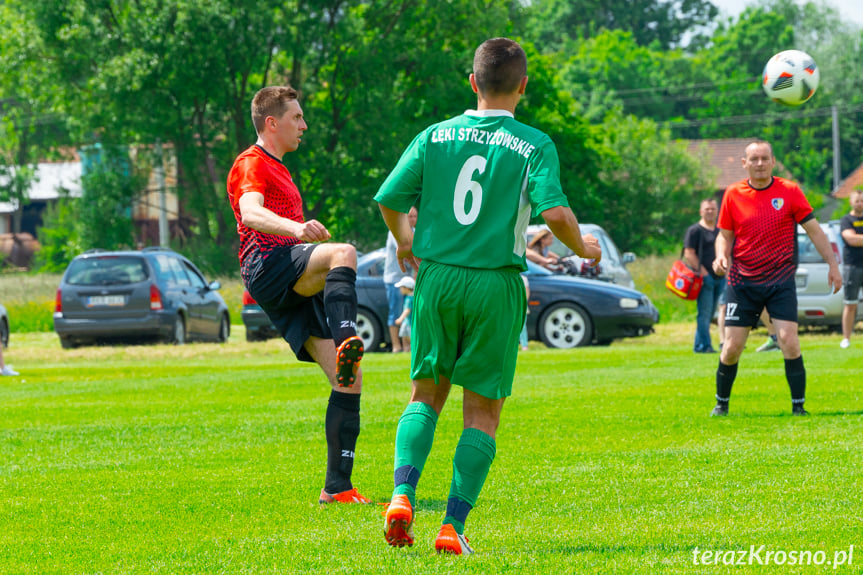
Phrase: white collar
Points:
(488, 113)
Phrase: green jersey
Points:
(475, 180)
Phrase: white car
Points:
(612, 268)
(817, 305)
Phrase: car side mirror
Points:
(214, 285)
(628, 258)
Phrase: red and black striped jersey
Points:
(764, 223)
(255, 170)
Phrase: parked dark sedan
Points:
(257, 323)
(565, 311)
(154, 293)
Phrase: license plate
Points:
(800, 281)
(106, 300)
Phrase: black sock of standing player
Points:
(340, 303)
(725, 375)
(795, 373)
(342, 428)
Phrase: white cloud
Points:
(851, 10)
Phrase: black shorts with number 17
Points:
(745, 303)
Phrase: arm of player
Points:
(822, 244)
(257, 217)
(724, 241)
(852, 238)
(399, 225)
(562, 223)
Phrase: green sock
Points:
(473, 457)
(414, 438)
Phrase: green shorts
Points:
(466, 324)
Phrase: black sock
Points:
(342, 428)
(795, 373)
(340, 303)
(725, 375)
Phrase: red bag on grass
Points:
(683, 281)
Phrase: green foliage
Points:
(661, 23)
(105, 209)
(31, 316)
(372, 75)
(29, 300)
(652, 184)
(59, 236)
(801, 137)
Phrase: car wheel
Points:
(4, 333)
(369, 329)
(68, 343)
(224, 329)
(178, 333)
(252, 335)
(565, 325)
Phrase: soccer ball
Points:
(790, 77)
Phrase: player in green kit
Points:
(475, 180)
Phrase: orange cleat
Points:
(448, 541)
(348, 358)
(399, 524)
(350, 496)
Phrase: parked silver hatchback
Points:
(154, 293)
(817, 305)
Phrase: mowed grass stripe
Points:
(209, 459)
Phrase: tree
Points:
(801, 137)
(25, 124)
(659, 23)
(370, 75)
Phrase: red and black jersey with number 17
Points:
(257, 171)
(764, 222)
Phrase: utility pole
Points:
(837, 175)
(164, 239)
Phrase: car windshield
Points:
(108, 270)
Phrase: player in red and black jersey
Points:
(758, 230)
(307, 288)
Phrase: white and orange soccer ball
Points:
(790, 77)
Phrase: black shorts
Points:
(853, 280)
(745, 303)
(270, 280)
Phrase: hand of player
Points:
(834, 278)
(593, 251)
(313, 231)
(405, 255)
(720, 265)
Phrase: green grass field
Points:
(209, 459)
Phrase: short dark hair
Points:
(757, 143)
(499, 65)
(271, 101)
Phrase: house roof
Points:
(853, 182)
(49, 178)
(725, 156)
